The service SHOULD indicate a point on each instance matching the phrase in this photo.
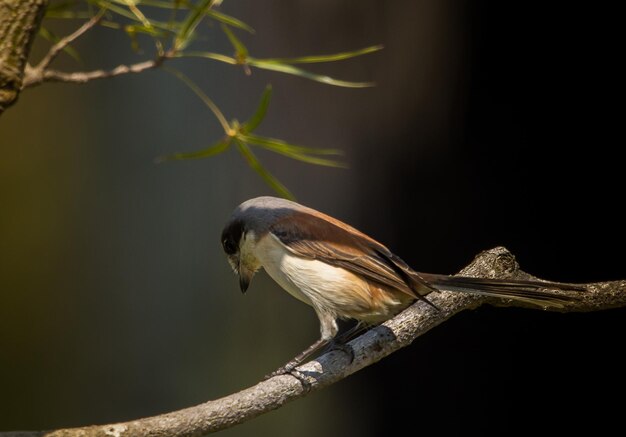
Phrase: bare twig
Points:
(329, 368)
(33, 76)
(65, 41)
(42, 73)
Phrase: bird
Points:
(343, 273)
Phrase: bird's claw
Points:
(343, 347)
(290, 370)
(285, 370)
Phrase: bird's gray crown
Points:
(256, 215)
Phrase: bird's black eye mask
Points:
(230, 237)
(230, 247)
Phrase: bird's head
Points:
(238, 243)
(249, 223)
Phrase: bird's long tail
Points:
(543, 294)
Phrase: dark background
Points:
(492, 123)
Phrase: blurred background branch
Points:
(334, 366)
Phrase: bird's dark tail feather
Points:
(543, 294)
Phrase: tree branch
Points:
(331, 367)
(65, 41)
(19, 23)
(41, 73)
(34, 77)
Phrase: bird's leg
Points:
(300, 358)
(340, 341)
(328, 330)
(351, 333)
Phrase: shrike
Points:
(343, 273)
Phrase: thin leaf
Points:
(46, 34)
(110, 24)
(291, 151)
(207, 101)
(231, 21)
(208, 55)
(132, 6)
(137, 28)
(260, 112)
(215, 149)
(240, 49)
(290, 69)
(283, 145)
(132, 35)
(323, 58)
(126, 14)
(67, 14)
(176, 6)
(256, 165)
(61, 6)
(191, 22)
(163, 4)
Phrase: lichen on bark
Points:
(19, 24)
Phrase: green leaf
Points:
(290, 69)
(215, 149)
(110, 24)
(63, 6)
(163, 4)
(240, 49)
(127, 14)
(132, 35)
(208, 55)
(256, 165)
(300, 153)
(206, 99)
(191, 22)
(138, 28)
(132, 6)
(231, 21)
(46, 34)
(272, 142)
(260, 112)
(63, 14)
(323, 58)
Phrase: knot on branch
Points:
(493, 263)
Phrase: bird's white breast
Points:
(333, 290)
(313, 282)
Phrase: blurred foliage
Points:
(172, 27)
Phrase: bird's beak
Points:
(245, 276)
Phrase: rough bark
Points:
(19, 23)
(369, 348)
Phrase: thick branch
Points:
(369, 348)
(19, 23)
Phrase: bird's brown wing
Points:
(314, 235)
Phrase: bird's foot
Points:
(343, 347)
(284, 370)
(291, 370)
